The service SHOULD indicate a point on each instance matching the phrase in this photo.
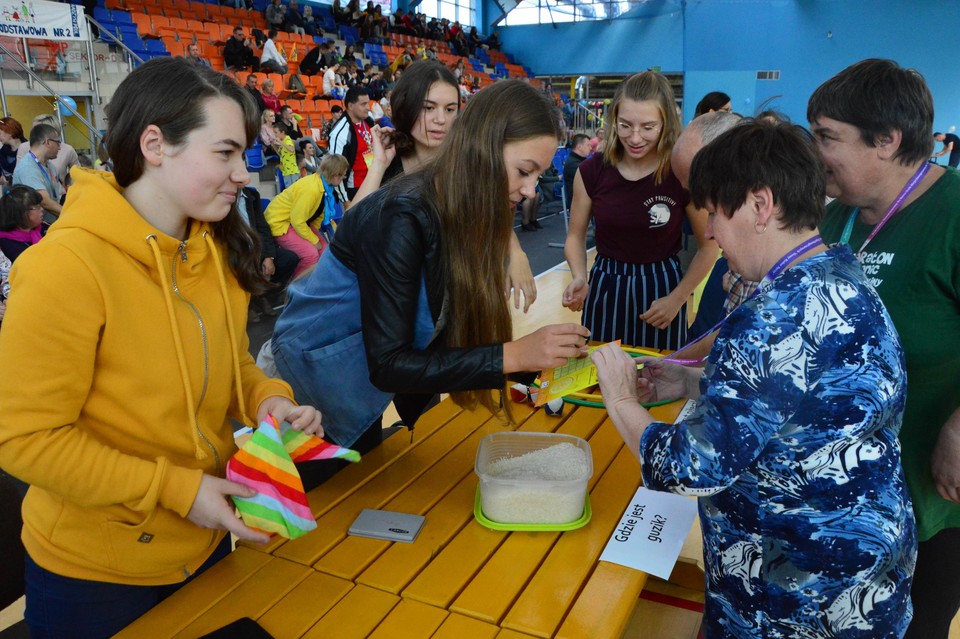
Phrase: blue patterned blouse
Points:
(807, 526)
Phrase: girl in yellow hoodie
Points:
(125, 348)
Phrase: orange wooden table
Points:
(458, 580)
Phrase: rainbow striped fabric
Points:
(265, 463)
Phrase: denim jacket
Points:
(368, 322)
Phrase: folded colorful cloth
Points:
(265, 463)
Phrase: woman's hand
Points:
(383, 149)
(662, 311)
(213, 509)
(305, 418)
(660, 380)
(945, 462)
(576, 294)
(617, 374)
(520, 278)
(548, 347)
(269, 267)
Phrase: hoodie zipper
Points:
(182, 254)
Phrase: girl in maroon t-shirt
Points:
(636, 291)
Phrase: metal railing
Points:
(131, 56)
(60, 102)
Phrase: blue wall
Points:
(720, 44)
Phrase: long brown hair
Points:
(172, 93)
(639, 87)
(476, 217)
(406, 101)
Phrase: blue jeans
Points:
(60, 606)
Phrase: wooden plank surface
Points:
(305, 605)
(190, 602)
(251, 598)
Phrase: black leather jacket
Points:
(392, 240)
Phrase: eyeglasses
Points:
(57, 142)
(625, 128)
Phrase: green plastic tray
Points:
(495, 525)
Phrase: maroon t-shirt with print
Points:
(637, 222)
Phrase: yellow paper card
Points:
(577, 374)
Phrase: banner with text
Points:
(42, 19)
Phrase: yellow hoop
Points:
(597, 397)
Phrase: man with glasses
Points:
(36, 171)
(66, 159)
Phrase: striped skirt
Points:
(620, 293)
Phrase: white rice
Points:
(537, 503)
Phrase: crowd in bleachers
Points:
(289, 40)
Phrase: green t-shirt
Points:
(914, 263)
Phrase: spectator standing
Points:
(901, 216)
(276, 15)
(352, 137)
(310, 24)
(11, 137)
(951, 145)
(270, 60)
(151, 255)
(578, 153)
(21, 221)
(36, 169)
(637, 291)
(293, 21)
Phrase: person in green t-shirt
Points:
(873, 124)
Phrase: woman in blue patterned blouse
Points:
(792, 449)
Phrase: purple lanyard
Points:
(764, 285)
(907, 190)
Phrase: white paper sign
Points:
(651, 532)
(42, 19)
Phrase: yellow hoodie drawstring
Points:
(230, 330)
(199, 453)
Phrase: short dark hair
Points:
(877, 97)
(578, 139)
(41, 132)
(782, 157)
(15, 206)
(272, 33)
(713, 101)
(336, 108)
(238, 28)
(286, 107)
(354, 93)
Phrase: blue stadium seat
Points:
(102, 15)
(156, 46)
(254, 158)
(122, 17)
